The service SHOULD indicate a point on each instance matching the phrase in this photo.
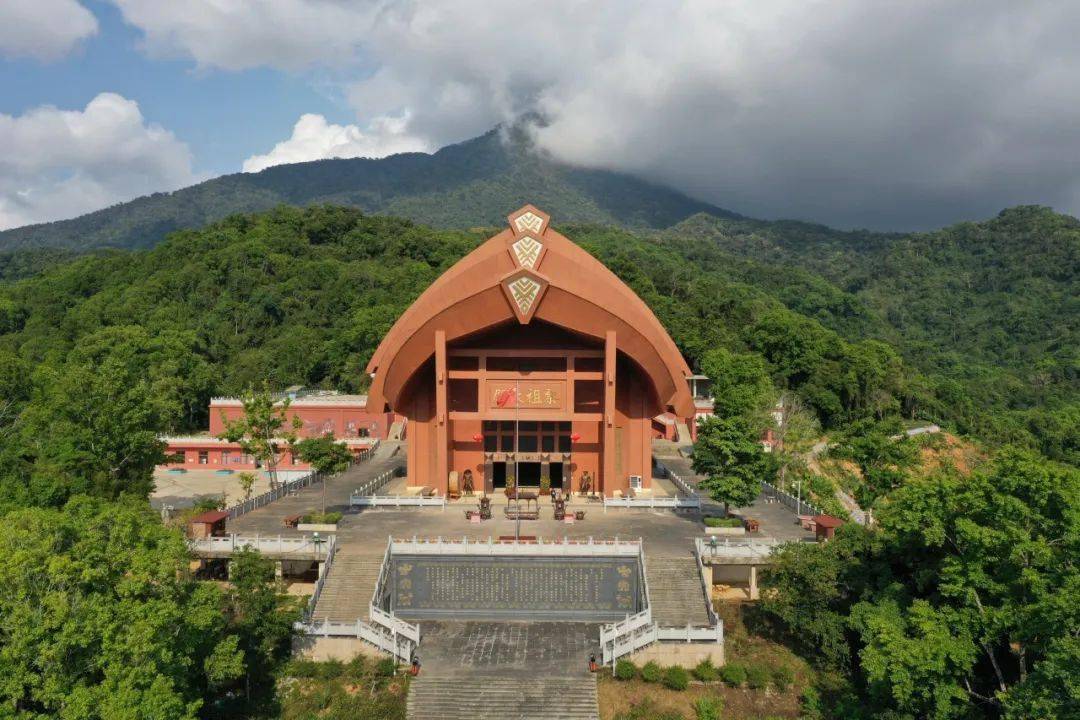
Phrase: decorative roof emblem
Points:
(524, 289)
(527, 251)
(529, 220)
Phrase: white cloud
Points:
(62, 163)
(43, 29)
(242, 34)
(313, 138)
(848, 112)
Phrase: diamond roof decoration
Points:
(529, 220)
(526, 251)
(524, 289)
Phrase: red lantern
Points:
(575, 437)
(478, 437)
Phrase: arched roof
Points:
(529, 271)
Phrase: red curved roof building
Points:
(529, 358)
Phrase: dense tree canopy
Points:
(963, 603)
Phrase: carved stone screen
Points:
(515, 588)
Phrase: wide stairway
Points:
(675, 592)
(349, 586)
(487, 695)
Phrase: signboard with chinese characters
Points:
(516, 588)
(528, 395)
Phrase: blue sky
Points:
(882, 115)
(224, 116)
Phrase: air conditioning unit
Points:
(635, 482)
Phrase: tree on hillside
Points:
(728, 453)
(264, 431)
(325, 454)
(963, 603)
(740, 383)
(883, 454)
(97, 618)
(796, 431)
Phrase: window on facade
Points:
(204, 457)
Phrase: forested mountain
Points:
(460, 186)
(989, 311)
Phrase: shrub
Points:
(625, 670)
(646, 710)
(783, 677)
(723, 522)
(757, 677)
(676, 678)
(330, 518)
(708, 708)
(386, 667)
(302, 669)
(705, 671)
(733, 674)
(650, 672)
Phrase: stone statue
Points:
(586, 483)
(467, 482)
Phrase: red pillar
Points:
(441, 420)
(608, 481)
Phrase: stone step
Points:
(675, 592)
(478, 695)
(349, 586)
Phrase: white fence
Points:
(397, 501)
(564, 547)
(268, 545)
(324, 571)
(384, 630)
(288, 487)
(371, 486)
(285, 488)
(796, 504)
(736, 549)
(691, 634)
(652, 503)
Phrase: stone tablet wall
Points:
(515, 588)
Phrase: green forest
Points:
(961, 603)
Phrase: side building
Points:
(345, 416)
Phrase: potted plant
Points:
(511, 481)
(545, 485)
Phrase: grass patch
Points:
(726, 522)
(330, 518)
(361, 689)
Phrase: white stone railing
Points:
(651, 503)
(564, 547)
(706, 586)
(324, 571)
(692, 634)
(276, 545)
(737, 548)
(371, 486)
(397, 501)
(795, 504)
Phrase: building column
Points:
(442, 469)
(489, 475)
(753, 582)
(608, 481)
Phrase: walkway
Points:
(334, 493)
(497, 671)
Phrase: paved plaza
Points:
(665, 532)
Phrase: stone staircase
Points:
(349, 586)
(487, 695)
(675, 592)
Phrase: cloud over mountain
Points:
(59, 163)
(314, 138)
